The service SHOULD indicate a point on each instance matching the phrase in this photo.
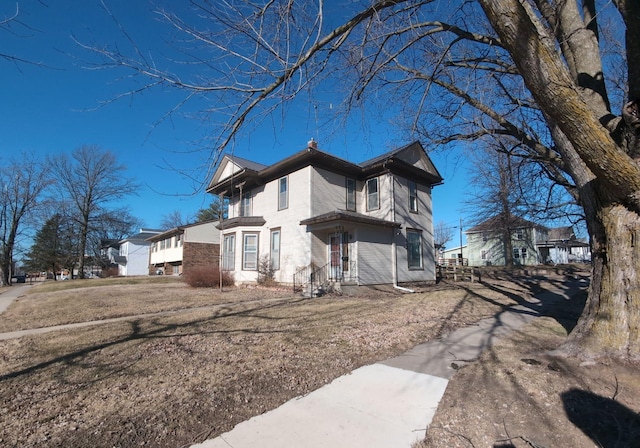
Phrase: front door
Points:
(335, 256)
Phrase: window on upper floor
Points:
(414, 249)
(283, 193)
(351, 194)
(178, 240)
(485, 237)
(373, 198)
(413, 197)
(245, 205)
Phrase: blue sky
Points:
(58, 105)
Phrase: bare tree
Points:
(506, 186)
(539, 73)
(442, 234)
(91, 180)
(23, 182)
(172, 220)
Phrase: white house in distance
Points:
(367, 223)
(177, 250)
(487, 246)
(133, 255)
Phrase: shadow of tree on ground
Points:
(607, 422)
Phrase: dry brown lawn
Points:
(217, 359)
(177, 379)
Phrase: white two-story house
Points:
(133, 253)
(487, 243)
(367, 223)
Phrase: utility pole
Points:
(461, 258)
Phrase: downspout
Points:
(394, 254)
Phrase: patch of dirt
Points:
(519, 395)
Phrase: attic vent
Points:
(312, 144)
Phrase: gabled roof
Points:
(498, 222)
(411, 161)
(141, 237)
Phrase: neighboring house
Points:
(486, 242)
(367, 223)
(562, 246)
(175, 251)
(531, 243)
(453, 256)
(110, 251)
(133, 253)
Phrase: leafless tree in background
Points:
(442, 234)
(92, 180)
(23, 182)
(172, 220)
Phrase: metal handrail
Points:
(310, 275)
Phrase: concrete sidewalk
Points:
(387, 404)
(10, 293)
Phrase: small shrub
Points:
(265, 272)
(111, 271)
(207, 277)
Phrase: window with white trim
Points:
(283, 193)
(373, 199)
(414, 249)
(229, 252)
(245, 205)
(275, 249)
(351, 194)
(413, 197)
(250, 252)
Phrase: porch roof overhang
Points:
(343, 215)
(241, 221)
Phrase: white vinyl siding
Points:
(374, 253)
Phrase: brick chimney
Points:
(312, 144)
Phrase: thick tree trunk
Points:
(610, 191)
(610, 323)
